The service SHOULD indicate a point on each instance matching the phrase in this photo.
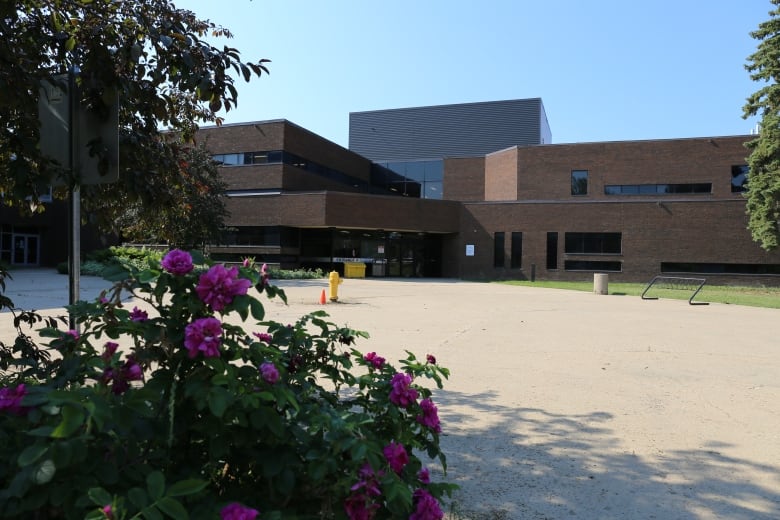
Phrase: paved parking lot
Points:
(566, 404)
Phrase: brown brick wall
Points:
(501, 175)
(333, 209)
(392, 213)
(545, 171)
(464, 179)
(249, 137)
(253, 177)
(652, 232)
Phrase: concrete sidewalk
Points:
(566, 404)
(45, 288)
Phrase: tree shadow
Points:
(526, 463)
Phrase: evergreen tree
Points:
(763, 188)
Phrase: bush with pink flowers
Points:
(188, 403)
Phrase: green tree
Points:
(190, 203)
(155, 58)
(763, 189)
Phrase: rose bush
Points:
(193, 405)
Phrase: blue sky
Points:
(606, 70)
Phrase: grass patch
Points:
(768, 297)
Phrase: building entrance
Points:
(25, 249)
(385, 253)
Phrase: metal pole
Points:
(74, 213)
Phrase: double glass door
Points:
(26, 249)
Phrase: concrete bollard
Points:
(601, 283)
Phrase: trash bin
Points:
(601, 283)
(379, 268)
(354, 270)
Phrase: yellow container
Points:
(354, 270)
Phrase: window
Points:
(579, 182)
(593, 243)
(552, 250)
(228, 159)
(498, 249)
(659, 189)
(515, 261)
(717, 268)
(739, 177)
(423, 179)
(592, 265)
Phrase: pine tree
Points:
(763, 188)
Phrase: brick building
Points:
(467, 210)
(478, 191)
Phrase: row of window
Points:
(418, 179)
(610, 244)
(575, 243)
(283, 157)
(579, 185)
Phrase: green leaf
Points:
(44, 472)
(173, 508)
(62, 454)
(151, 513)
(99, 496)
(31, 454)
(148, 276)
(43, 431)
(138, 497)
(187, 487)
(241, 304)
(219, 399)
(72, 420)
(155, 484)
(257, 309)
(115, 273)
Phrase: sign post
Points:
(87, 145)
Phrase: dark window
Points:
(517, 250)
(593, 243)
(718, 268)
(592, 265)
(498, 249)
(251, 236)
(552, 250)
(739, 178)
(658, 189)
(579, 182)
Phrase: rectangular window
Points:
(579, 182)
(716, 268)
(593, 243)
(498, 249)
(739, 178)
(658, 189)
(229, 159)
(517, 250)
(552, 250)
(592, 265)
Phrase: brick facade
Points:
(322, 192)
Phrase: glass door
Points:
(25, 249)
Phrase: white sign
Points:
(469, 249)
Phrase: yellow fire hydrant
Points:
(334, 280)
